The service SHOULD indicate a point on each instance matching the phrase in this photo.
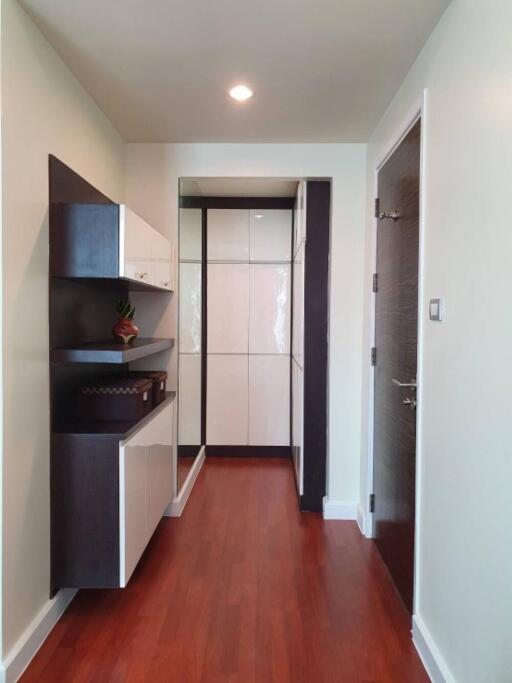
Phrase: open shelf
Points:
(116, 428)
(110, 352)
(121, 283)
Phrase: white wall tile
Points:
(228, 235)
(270, 235)
(190, 308)
(189, 394)
(269, 400)
(227, 400)
(190, 234)
(228, 308)
(269, 318)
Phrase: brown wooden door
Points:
(396, 335)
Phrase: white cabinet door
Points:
(145, 487)
(270, 235)
(161, 253)
(190, 311)
(132, 505)
(136, 235)
(227, 400)
(228, 235)
(298, 306)
(163, 274)
(270, 306)
(269, 400)
(297, 422)
(189, 393)
(142, 271)
(299, 223)
(159, 467)
(191, 222)
(228, 307)
(144, 254)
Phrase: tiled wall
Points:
(249, 291)
(299, 240)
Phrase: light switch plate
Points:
(436, 309)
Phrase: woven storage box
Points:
(159, 379)
(126, 399)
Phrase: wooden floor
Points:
(242, 588)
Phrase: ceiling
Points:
(237, 187)
(321, 70)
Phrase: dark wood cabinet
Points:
(100, 472)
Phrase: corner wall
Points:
(464, 567)
(44, 110)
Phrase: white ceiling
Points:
(237, 187)
(321, 70)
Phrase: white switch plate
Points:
(436, 309)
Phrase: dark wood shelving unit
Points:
(110, 352)
(84, 455)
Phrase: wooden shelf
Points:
(123, 284)
(110, 352)
(119, 430)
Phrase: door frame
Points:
(418, 111)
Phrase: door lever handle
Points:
(391, 215)
(405, 385)
(411, 402)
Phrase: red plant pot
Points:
(125, 331)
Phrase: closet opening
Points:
(253, 324)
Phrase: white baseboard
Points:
(361, 520)
(177, 506)
(428, 651)
(337, 509)
(21, 654)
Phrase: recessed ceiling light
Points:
(240, 93)
(258, 215)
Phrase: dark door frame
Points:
(367, 522)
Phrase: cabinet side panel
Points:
(85, 511)
(316, 312)
(84, 240)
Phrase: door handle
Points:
(405, 385)
(411, 402)
(391, 215)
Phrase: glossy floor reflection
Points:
(242, 588)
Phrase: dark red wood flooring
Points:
(242, 588)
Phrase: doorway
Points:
(395, 359)
(253, 324)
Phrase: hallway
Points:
(242, 588)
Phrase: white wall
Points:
(464, 589)
(44, 110)
(153, 172)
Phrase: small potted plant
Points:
(125, 331)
